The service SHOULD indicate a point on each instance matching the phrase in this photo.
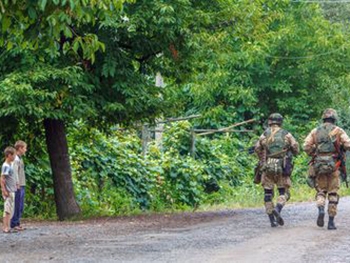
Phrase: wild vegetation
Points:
(77, 81)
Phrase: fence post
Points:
(145, 136)
(193, 143)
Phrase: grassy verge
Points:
(253, 196)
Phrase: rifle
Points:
(340, 164)
(288, 164)
(312, 161)
(250, 150)
(260, 164)
(257, 173)
(311, 177)
(277, 153)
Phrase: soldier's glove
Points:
(311, 182)
(251, 150)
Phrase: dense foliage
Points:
(111, 176)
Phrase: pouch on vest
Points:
(287, 165)
(324, 165)
(273, 166)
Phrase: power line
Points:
(315, 1)
(305, 57)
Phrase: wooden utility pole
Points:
(193, 143)
(145, 137)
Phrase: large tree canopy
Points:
(272, 56)
(47, 24)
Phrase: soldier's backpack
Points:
(324, 161)
(275, 147)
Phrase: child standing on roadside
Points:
(8, 187)
(18, 168)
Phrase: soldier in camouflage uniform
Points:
(322, 143)
(275, 148)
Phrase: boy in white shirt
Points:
(8, 187)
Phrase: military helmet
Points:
(275, 118)
(330, 114)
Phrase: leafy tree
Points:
(273, 56)
(57, 71)
(43, 81)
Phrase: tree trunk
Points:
(66, 205)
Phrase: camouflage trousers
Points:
(283, 184)
(328, 185)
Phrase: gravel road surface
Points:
(242, 235)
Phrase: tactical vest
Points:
(276, 146)
(277, 143)
(324, 163)
(324, 143)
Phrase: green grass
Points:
(253, 196)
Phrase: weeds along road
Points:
(225, 236)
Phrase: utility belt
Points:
(279, 166)
(273, 166)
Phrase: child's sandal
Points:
(6, 231)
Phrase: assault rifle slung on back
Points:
(340, 161)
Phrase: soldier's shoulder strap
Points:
(284, 132)
(267, 132)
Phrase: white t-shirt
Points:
(10, 179)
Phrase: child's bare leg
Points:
(6, 222)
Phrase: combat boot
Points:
(320, 218)
(272, 220)
(279, 208)
(277, 213)
(331, 225)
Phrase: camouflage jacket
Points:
(260, 146)
(310, 141)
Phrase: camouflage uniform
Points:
(269, 181)
(329, 183)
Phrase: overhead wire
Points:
(315, 1)
(306, 57)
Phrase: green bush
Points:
(103, 163)
(112, 177)
(167, 178)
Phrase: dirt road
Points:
(226, 236)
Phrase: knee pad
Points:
(268, 195)
(322, 193)
(333, 198)
(282, 191)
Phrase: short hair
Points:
(9, 151)
(20, 144)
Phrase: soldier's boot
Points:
(277, 213)
(331, 225)
(272, 220)
(320, 218)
